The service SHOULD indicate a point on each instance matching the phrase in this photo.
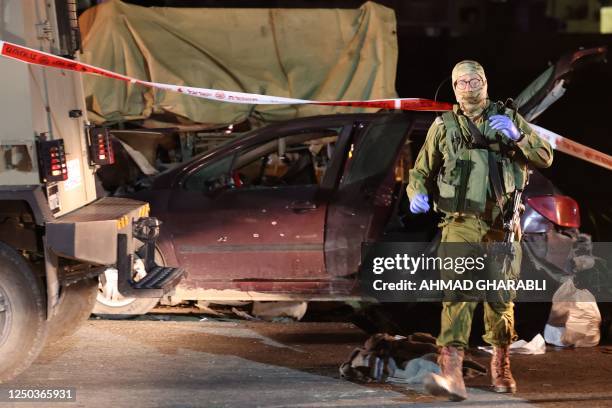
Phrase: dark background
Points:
(515, 41)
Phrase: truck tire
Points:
(76, 304)
(125, 308)
(23, 328)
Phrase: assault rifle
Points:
(514, 218)
(511, 221)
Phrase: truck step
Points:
(158, 281)
(160, 277)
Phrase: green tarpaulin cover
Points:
(322, 54)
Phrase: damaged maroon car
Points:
(280, 214)
(284, 209)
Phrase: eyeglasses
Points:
(475, 83)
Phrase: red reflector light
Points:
(52, 160)
(100, 146)
(561, 210)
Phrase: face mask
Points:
(471, 101)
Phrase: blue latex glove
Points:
(419, 204)
(505, 125)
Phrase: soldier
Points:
(454, 165)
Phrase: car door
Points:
(362, 202)
(256, 214)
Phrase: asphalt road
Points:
(193, 363)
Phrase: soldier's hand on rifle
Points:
(419, 204)
(505, 125)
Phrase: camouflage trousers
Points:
(456, 320)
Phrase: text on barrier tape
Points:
(31, 56)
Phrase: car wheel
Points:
(23, 328)
(110, 304)
(76, 304)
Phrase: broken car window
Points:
(374, 152)
(300, 159)
(211, 177)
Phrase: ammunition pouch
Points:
(463, 183)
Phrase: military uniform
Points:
(451, 165)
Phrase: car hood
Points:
(549, 86)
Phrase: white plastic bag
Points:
(537, 345)
(574, 318)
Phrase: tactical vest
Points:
(464, 179)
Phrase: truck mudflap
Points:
(106, 233)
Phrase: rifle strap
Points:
(478, 139)
(494, 176)
(496, 181)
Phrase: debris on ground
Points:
(414, 371)
(398, 359)
(243, 314)
(537, 345)
(206, 308)
(273, 310)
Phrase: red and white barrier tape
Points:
(32, 56)
(575, 149)
(35, 57)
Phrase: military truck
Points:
(56, 234)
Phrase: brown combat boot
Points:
(501, 376)
(449, 382)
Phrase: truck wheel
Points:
(113, 306)
(110, 304)
(23, 328)
(76, 304)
